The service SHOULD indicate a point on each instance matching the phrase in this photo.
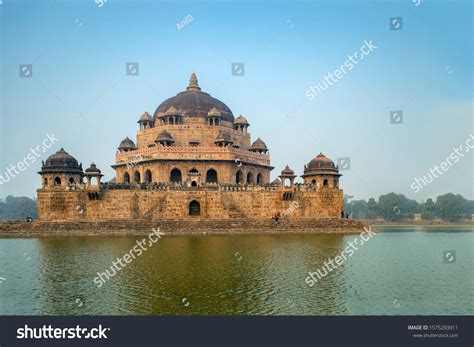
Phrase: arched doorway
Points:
(211, 176)
(250, 178)
(325, 182)
(194, 184)
(148, 177)
(136, 177)
(194, 208)
(57, 181)
(239, 177)
(259, 179)
(71, 180)
(175, 176)
(126, 177)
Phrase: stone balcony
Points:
(192, 153)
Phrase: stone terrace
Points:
(197, 226)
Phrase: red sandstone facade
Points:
(192, 159)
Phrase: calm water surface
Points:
(400, 271)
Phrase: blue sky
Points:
(79, 91)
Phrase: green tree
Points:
(450, 207)
(372, 209)
(18, 208)
(429, 210)
(359, 209)
(395, 206)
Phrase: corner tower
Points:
(60, 171)
(321, 172)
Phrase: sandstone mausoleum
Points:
(192, 159)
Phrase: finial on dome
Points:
(193, 83)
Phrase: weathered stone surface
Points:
(174, 203)
(197, 226)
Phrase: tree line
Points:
(392, 207)
(18, 208)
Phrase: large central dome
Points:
(194, 103)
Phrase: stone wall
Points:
(160, 171)
(194, 147)
(173, 203)
(193, 129)
(170, 227)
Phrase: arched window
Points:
(148, 177)
(194, 184)
(71, 180)
(194, 171)
(313, 182)
(250, 178)
(325, 182)
(45, 181)
(136, 177)
(259, 179)
(239, 177)
(57, 181)
(194, 208)
(126, 177)
(175, 176)
(211, 176)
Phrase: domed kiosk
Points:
(321, 172)
(61, 169)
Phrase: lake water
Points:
(401, 271)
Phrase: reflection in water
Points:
(235, 275)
